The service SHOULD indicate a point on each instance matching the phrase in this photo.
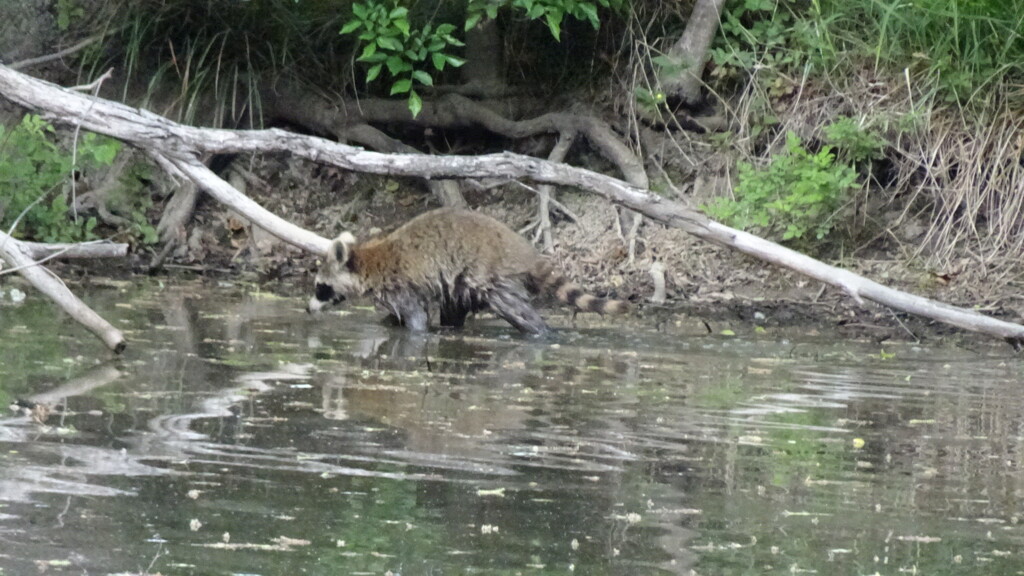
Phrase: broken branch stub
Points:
(13, 251)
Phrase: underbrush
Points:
(39, 181)
(932, 86)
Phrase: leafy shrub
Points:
(856, 143)
(796, 194)
(34, 171)
(388, 40)
(412, 55)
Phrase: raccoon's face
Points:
(336, 281)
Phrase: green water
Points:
(237, 435)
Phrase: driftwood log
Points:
(182, 145)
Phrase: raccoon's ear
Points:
(341, 247)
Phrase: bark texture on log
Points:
(41, 251)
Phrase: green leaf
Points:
(472, 21)
(402, 25)
(368, 51)
(589, 12)
(454, 60)
(401, 86)
(423, 78)
(395, 65)
(554, 19)
(439, 60)
(373, 72)
(415, 103)
(360, 11)
(350, 26)
(399, 12)
(389, 43)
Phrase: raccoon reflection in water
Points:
(462, 260)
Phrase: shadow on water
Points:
(241, 436)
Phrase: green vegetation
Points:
(33, 171)
(35, 175)
(552, 11)
(870, 80)
(954, 50)
(852, 141)
(412, 55)
(388, 40)
(797, 193)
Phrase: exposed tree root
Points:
(691, 51)
(546, 191)
(453, 111)
(182, 145)
(446, 191)
(96, 199)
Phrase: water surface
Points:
(238, 435)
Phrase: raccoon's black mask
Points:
(325, 296)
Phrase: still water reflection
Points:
(240, 436)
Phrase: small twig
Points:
(657, 273)
(14, 225)
(95, 88)
(62, 53)
(159, 550)
(904, 326)
(60, 517)
(558, 205)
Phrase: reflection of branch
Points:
(95, 378)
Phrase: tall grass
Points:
(214, 53)
(961, 49)
(941, 80)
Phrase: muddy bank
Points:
(709, 289)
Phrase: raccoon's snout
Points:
(323, 297)
(325, 293)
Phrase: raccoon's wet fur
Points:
(463, 260)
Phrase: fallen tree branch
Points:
(13, 251)
(98, 249)
(181, 144)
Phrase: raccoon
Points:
(464, 261)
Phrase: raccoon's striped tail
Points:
(573, 294)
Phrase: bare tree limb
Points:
(181, 144)
(99, 249)
(16, 255)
